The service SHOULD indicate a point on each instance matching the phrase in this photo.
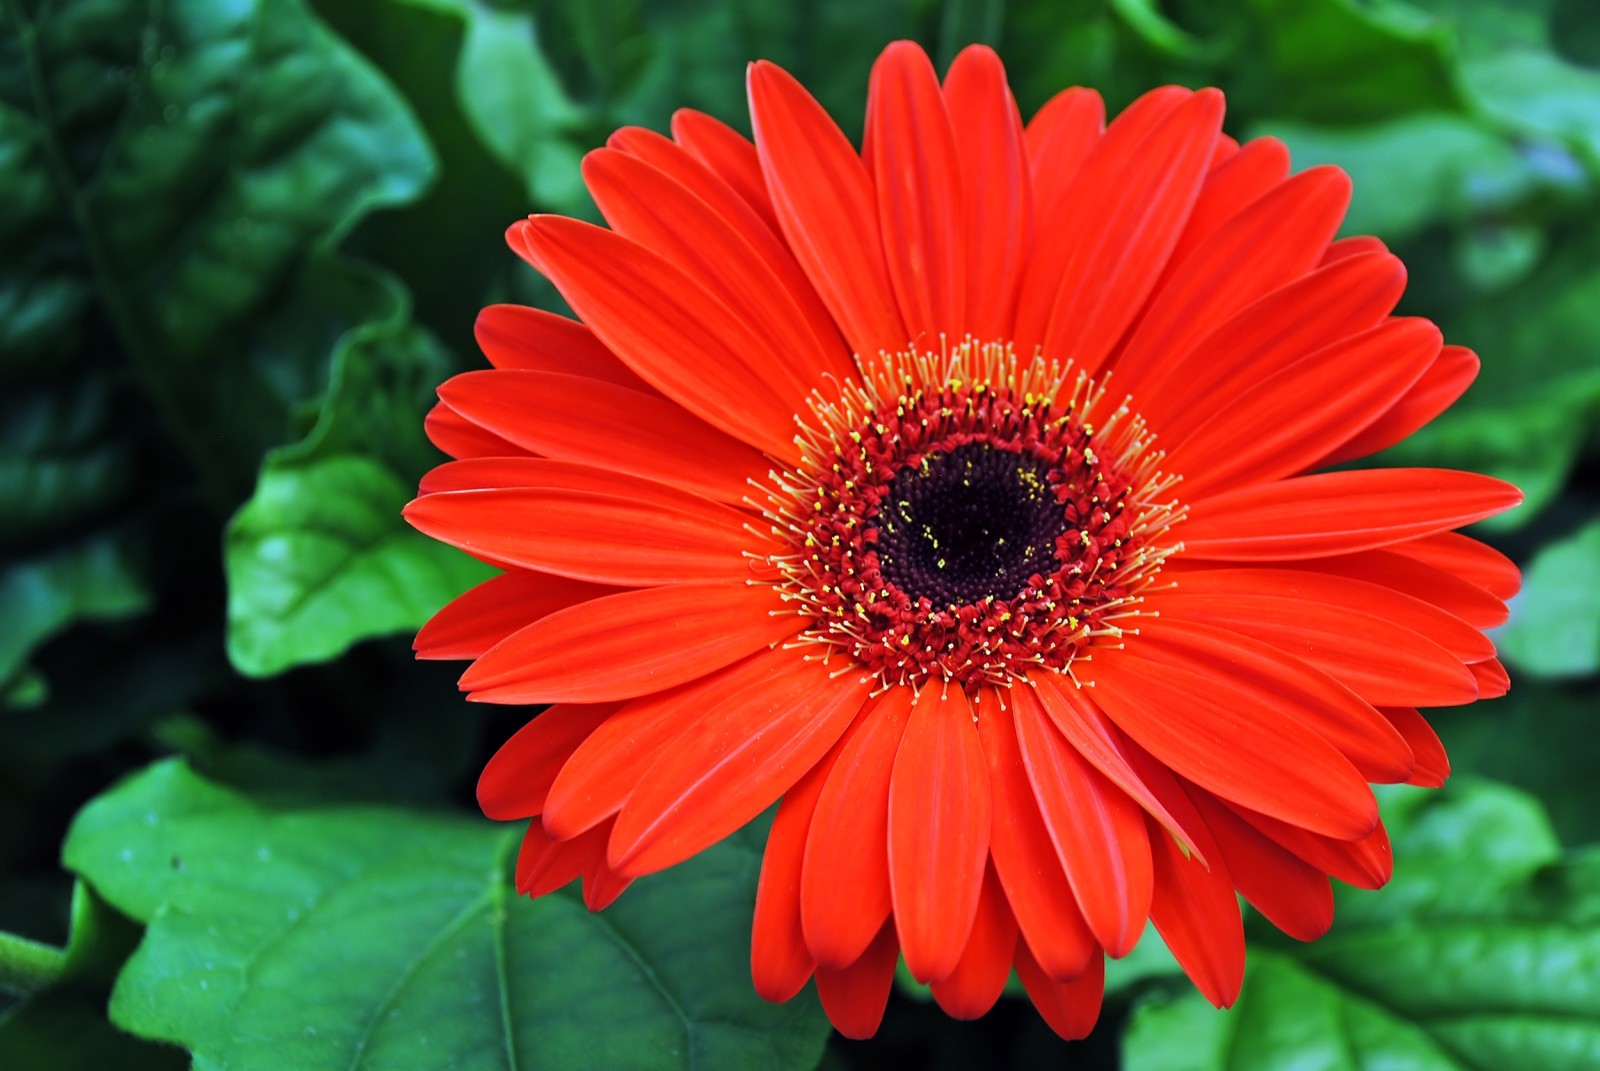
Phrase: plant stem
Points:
(26, 966)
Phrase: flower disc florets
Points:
(966, 516)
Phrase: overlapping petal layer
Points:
(704, 494)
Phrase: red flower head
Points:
(970, 494)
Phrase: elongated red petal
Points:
(460, 437)
(848, 846)
(1437, 390)
(1266, 245)
(1098, 832)
(1130, 213)
(1339, 513)
(545, 864)
(1365, 863)
(1293, 895)
(608, 427)
(1231, 185)
(854, 998)
(1377, 659)
(1493, 680)
(779, 961)
(1228, 740)
(939, 818)
(978, 980)
(1071, 1007)
(724, 258)
(1087, 729)
(1297, 415)
(1433, 765)
(517, 779)
(1273, 332)
(1197, 915)
(681, 340)
(917, 176)
(728, 154)
(622, 531)
(1449, 592)
(533, 340)
(606, 767)
(997, 189)
(630, 644)
(824, 201)
(1467, 558)
(475, 621)
(733, 764)
(1024, 857)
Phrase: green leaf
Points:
(340, 937)
(1554, 630)
(91, 581)
(174, 165)
(1481, 955)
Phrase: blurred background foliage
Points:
(240, 243)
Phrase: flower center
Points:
(977, 522)
(960, 515)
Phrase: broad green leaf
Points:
(319, 558)
(173, 166)
(1554, 629)
(362, 937)
(91, 581)
(1482, 954)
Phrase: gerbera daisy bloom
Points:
(971, 494)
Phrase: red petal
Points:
(728, 155)
(1433, 765)
(1290, 420)
(1071, 1007)
(1232, 184)
(824, 201)
(1197, 915)
(603, 527)
(779, 961)
(603, 771)
(1258, 673)
(475, 621)
(1293, 895)
(680, 339)
(1449, 592)
(1226, 739)
(978, 980)
(1024, 857)
(608, 427)
(733, 763)
(630, 644)
(517, 779)
(601, 884)
(1366, 863)
(1493, 680)
(1355, 246)
(939, 816)
(1132, 198)
(723, 257)
(855, 997)
(532, 340)
(1335, 597)
(460, 437)
(1087, 729)
(1273, 241)
(844, 887)
(917, 175)
(996, 187)
(1098, 832)
(545, 864)
(1339, 513)
(1061, 135)
(1272, 333)
(757, 227)
(1467, 558)
(1445, 381)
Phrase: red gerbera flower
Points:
(964, 493)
